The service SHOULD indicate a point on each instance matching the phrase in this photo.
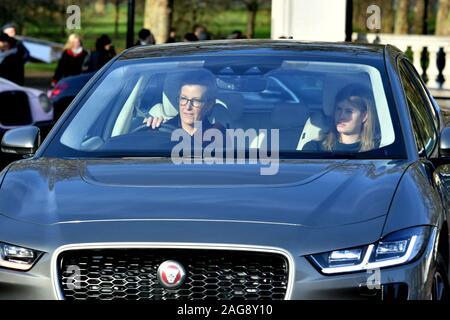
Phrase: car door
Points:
(425, 124)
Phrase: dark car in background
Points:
(109, 208)
(66, 90)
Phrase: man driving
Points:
(196, 99)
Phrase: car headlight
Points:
(45, 103)
(19, 258)
(397, 248)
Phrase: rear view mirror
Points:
(242, 83)
(23, 141)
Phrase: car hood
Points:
(309, 193)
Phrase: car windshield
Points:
(296, 108)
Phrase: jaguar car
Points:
(237, 169)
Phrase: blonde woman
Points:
(73, 57)
(355, 126)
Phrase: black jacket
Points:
(22, 52)
(69, 65)
(12, 68)
(99, 58)
(340, 147)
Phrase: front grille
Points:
(210, 274)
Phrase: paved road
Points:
(39, 81)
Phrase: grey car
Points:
(321, 174)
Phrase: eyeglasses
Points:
(196, 103)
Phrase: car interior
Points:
(299, 119)
(298, 100)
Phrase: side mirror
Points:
(23, 141)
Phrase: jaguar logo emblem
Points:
(171, 274)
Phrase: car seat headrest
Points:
(334, 83)
(289, 115)
(234, 102)
(220, 115)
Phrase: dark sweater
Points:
(339, 147)
(99, 58)
(176, 122)
(69, 65)
(12, 69)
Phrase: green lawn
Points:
(92, 26)
(220, 24)
(40, 67)
(226, 22)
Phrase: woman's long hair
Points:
(70, 39)
(360, 97)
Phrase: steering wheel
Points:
(164, 127)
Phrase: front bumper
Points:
(305, 282)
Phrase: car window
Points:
(419, 141)
(423, 124)
(423, 91)
(293, 107)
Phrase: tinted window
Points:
(423, 125)
(297, 106)
(423, 91)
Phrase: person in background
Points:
(172, 36)
(11, 65)
(104, 51)
(201, 33)
(236, 34)
(10, 30)
(72, 60)
(189, 37)
(145, 37)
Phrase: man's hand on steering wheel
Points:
(154, 122)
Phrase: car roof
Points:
(265, 47)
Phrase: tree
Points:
(188, 13)
(401, 17)
(39, 13)
(252, 10)
(359, 15)
(387, 16)
(116, 17)
(252, 7)
(99, 7)
(442, 19)
(419, 17)
(157, 18)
